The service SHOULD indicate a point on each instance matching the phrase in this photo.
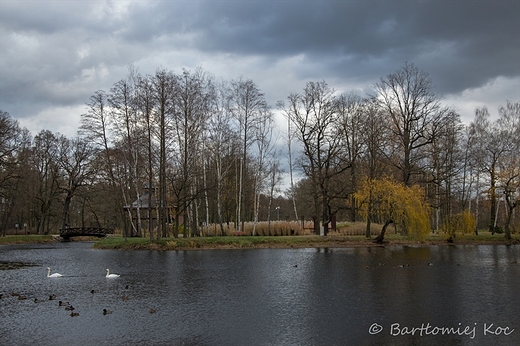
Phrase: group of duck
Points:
(67, 305)
(58, 275)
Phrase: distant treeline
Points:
(175, 152)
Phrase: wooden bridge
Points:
(67, 233)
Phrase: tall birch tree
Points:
(248, 106)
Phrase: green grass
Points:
(483, 236)
(242, 242)
(238, 242)
(23, 239)
(235, 242)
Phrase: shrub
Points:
(463, 222)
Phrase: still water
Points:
(394, 295)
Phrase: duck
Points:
(55, 275)
(125, 298)
(36, 300)
(52, 297)
(152, 311)
(112, 275)
(74, 314)
(60, 303)
(106, 312)
(20, 297)
(94, 291)
(69, 308)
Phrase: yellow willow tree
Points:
(388, 201)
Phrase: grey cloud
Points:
(61, 52)
(481, 34)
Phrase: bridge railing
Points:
(66, 233)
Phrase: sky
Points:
(55, 54)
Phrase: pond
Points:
(393, 295)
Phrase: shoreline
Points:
(262, 242)
(283, 242)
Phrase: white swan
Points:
(112, 275)
(55, 275)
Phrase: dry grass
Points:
(285, 228)
(359, 228)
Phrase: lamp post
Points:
(278, 210)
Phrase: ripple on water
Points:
(260, 297)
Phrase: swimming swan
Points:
(112, 275)
(55, 275)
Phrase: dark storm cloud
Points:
(57, 53)
(464, 42)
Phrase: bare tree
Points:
(97, 127)
(129, 136)
(508, 179)
(96, 122)
(290, 136)
(275, 178)
(14, 143)
(10, 142)
(488, 150)
(248, 106)
(163, 85)
(12, 139)
(265, 145)
(316, 124)
(74, 160)
(443, 157)
(221, 145)
(467, 178)
(350, 117)
(45, 160)
(375, 136)
(145, 104)
(415, 111)
(192, 97)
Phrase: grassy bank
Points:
(310, 241)
(230, 242)
(26, 239)
(256, 242)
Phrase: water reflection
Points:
(260, 297)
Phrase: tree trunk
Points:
(508, 225)
(325, 217)
(381, 236)
(66, 206)
(493, 198)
